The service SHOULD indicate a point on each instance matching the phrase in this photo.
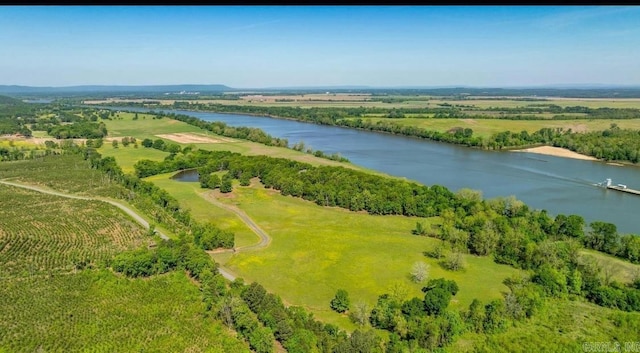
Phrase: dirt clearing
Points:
(195, 138)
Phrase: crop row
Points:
(98, 311)
(67, 172)
(44, 233)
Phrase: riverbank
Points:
(557, 152)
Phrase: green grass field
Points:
(487, 127)
(189, 195)
(126, 157)
(149, 128)
(145, 126)
(316, 250)
(620, 270)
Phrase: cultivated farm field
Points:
(41, 233)
(98, 311)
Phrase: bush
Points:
(340, 302)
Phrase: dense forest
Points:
(13, 114)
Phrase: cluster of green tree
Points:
(13, 153)
(299, 332)
(167, 210)
(10, 125)
(611, 144)
(161, 145)
(166, 256)
(325, 185)
(335, 156)
(426, 323)
(83, 129)
(549, 248)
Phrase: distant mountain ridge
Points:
(557, 90)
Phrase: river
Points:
(559, 185)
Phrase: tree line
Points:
(504, 228)
(324, 185)
(608, 145)
(160, 204)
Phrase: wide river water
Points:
(559, 185)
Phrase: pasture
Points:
(316, 250)
(397, 101)
(488, 127)
(149, 128)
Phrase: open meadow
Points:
(316, 250)
(150, 128)
(488, 127)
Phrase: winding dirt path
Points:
(265, 239)
(126, 209)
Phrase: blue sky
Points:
(276, 46)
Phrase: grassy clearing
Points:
(148, 128)
(620, 270)
(98, 311)
(189, 196)
(487, 127)
(126, 157)
(145, 127)
(316, 250)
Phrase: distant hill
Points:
(4, 100)
(575, 91)
(4, 89)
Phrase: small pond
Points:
(186, 175)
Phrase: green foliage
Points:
(79, 130)
(327, 186)
(436, 300)
(62, 313)
(494, 320)
(419, 230)
(340, 302)
(553, 282)
(209, 236)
